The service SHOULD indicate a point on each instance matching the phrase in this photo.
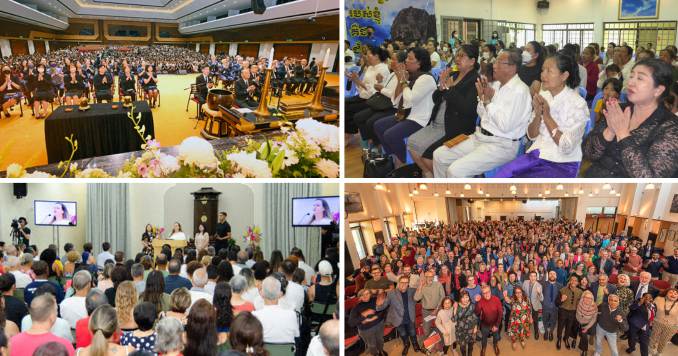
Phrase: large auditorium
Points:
(538, 268)
(93, 85)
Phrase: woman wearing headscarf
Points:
(587, 313)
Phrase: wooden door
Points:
(298, 51)
(248, 50)
(39, 46)
(19, 47)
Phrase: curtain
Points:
(277, 229)
(108, 214)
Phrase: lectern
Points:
(174, 244)
(206, 209)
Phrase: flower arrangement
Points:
(306, 149)
(252, 236)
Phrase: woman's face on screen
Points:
(58, 211)
(318, 207)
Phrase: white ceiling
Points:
(189, 14)
(496, 191)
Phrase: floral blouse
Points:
(651, 151)
(466, 320)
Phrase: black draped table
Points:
(100, 131)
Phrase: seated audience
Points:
(73, 308)
(279, 324)
(557, 129)
(415, 89)
(375, 73)
(43, 313)
(504, 110)
(201, 330)
(103, 324)
(143, 338)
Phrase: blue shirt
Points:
(29, 291)
(173, 282)
(473, 292)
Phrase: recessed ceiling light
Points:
(467, 187)
(607, 186)
(559, 187)
(649, 186)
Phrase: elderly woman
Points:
(560, 116)
(239, 304)
(625, 293)
(168, 342)
(587, 312)
(639, 139)
(666, 321)
(454, 110)
(415, 89)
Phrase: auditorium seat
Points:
(613, 279)
(661, 285)
(350, 303)
(349, 291)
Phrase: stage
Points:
(22, 139)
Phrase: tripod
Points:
(14, 236)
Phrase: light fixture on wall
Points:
(649, 186)
(581, 191)
(613, 191)
(436, 194)
(467, 187)
(448, 192)
(480, 191)
(540, 195)
(618, 194)
(487, 195)
(590, 195)
(547, 191)
(566, 195)
(607, 186)
(416, 192)
(423, 186)
(559, 187)
(411, 194)
(513, 188)
(461, 195)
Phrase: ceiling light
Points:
(513, 188)
(416, 192)
(559, 187)
(461, 195)
(547, 191)
(613, 191)
(411, 194)
(649, 186)
(567, 195)
(590, 194)
(423, 186)
(480, 191)
(607, 186)
(467, 187)
(618, 194)
(448, 192)
(379, 186)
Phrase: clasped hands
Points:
(485, 91)
(618, 121)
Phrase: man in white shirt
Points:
(308, 270)
(104, 256)
(505, 111)
(294, 293)
(12, 266)
(623, 57)
(280, 325)
(199, 281)
(435, 57)
(73, 308)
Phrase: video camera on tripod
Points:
(14, 231)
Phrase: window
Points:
(594, 210)
(658, 33)
(562, 34)
(509, 32)
(610, 210)
(358, 240)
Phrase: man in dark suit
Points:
(604, 263)
(643, 285)
(641, 316)
(401, 313)
(245, 90)
(602, 289)
(204, 83)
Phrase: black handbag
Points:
(379, 102)
(407, 171)
(378, 167)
